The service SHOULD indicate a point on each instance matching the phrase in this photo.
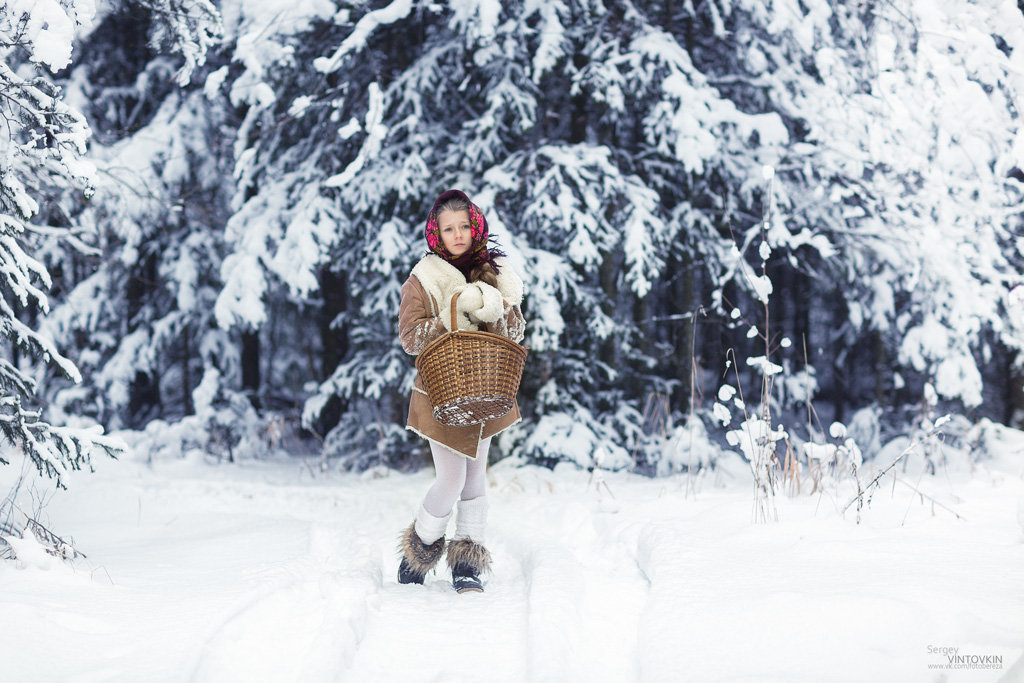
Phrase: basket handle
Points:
(455, 322)
(455, 328)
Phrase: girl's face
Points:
(455, 231)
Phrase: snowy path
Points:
(260, 572)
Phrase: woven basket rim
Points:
(479, 334)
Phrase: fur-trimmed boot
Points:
(467, 556)
(422, 545)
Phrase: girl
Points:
(490, 293)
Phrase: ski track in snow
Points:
(306, 625)
(262, 573)
(534, 622)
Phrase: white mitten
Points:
(491, 307)
(470, 299)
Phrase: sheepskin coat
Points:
(425, 315)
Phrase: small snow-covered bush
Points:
(360, 443)
(578, 438)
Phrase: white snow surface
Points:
(274, 571)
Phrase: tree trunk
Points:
(143, 394)
(141, 282)
(186, 377)
(578, 124)
(607, 279)
(144, 389)
(1015, 402)
(883, 372)
(251, 366)
(838, 314)
(687, 336)
(802, 296)
(333, 341)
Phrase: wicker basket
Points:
(470, 376)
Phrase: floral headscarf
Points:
(478, 252)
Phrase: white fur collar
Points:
(441, 279)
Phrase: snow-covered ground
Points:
(265, 571)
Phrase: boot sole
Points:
(460, 591)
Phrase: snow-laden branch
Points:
(356, 41)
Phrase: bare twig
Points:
(873, 484)
(693, 399)
(933, 500)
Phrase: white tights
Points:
(457, 477)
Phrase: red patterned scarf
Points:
(478, 253)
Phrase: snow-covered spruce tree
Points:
(900, 195)
(320, 223)
(142, 319)
(579, 127)
(175, 168)
(946, 171)
(42, 144)
(281, 290)
(664, 244)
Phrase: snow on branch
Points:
(55, 451)
(188, 27)
(376, 132)
(45, 27)
(366, 25)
